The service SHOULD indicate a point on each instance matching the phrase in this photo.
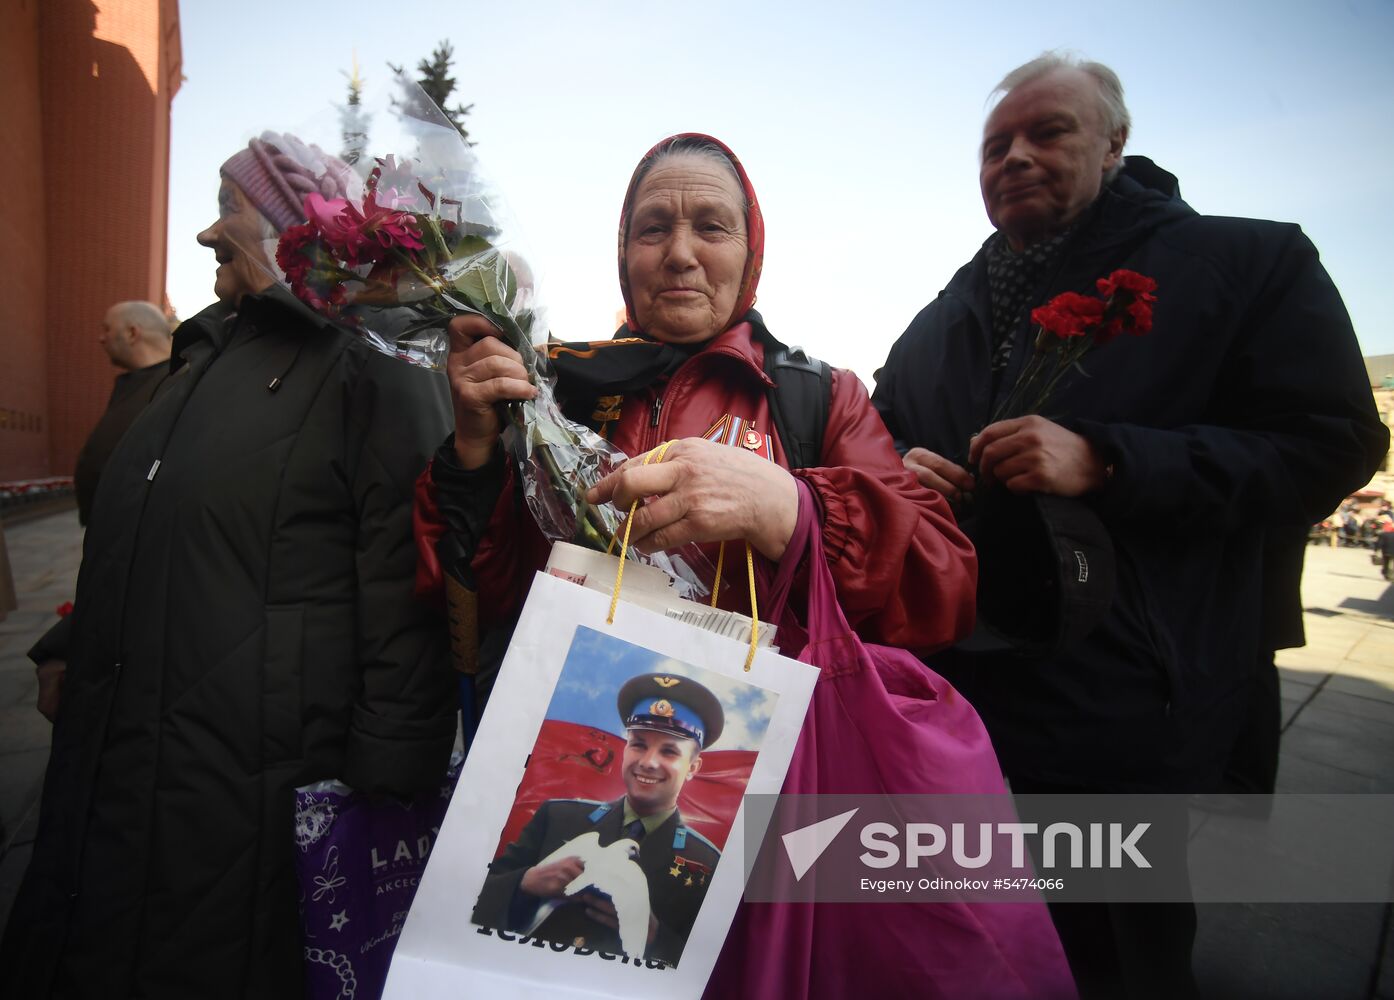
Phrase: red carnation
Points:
(1069, 314)
(1128, 281)
(1129, 307)
(1079, 323)
(291, 254)
(1141, 314)
(65, 609)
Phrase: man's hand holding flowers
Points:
(1034, 455)
(1023, 451)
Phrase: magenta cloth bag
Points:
(883, 722)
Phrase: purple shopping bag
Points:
(882, 722)
(358, 864)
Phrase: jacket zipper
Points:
(680, 379)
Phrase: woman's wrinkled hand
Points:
(483, 372)
(704, 492)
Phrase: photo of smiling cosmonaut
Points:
(627, 874)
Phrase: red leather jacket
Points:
(905, 575)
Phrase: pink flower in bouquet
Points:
(362, 236)
(391, 228)
(392, 198)
(338, 225)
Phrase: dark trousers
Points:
(1127, 951)
(1252, 767)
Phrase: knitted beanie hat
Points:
(277, 171)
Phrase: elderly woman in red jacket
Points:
(688, 362)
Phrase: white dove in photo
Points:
(613, 871)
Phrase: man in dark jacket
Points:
(135, 335)
(1245, 408)
(244, 624)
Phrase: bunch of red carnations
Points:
(1069, 327)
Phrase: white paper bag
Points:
(556, 774)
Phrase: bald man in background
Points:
(136, 336)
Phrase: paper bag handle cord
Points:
(754, 612)
(657, 455)
(720, 561)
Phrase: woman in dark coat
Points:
(244, 624)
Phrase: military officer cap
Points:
(671, 703)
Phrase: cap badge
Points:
(661, 707)
(666, 682)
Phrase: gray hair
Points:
(691, 145)
(144, 316)
(1113, 112)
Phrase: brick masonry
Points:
(88, 85)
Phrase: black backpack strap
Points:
(799, 401)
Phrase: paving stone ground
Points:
(1338, 716)
(1338, 736)
(44, 556)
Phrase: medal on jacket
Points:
(740, 433)
(689, 872)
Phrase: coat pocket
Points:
(282, 665)
(1154, 632)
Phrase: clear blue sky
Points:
(858, 124)
(598, 664)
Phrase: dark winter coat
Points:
(131, 393)
(244, 624)
(1247, 406)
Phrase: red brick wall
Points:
(91, 82)
(24, 424)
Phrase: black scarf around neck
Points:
(593, 376)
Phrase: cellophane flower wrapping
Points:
(418, 236)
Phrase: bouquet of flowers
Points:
(1069, 326)
(426, 241)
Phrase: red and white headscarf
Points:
(754, 228)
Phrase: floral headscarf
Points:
(754, 227)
